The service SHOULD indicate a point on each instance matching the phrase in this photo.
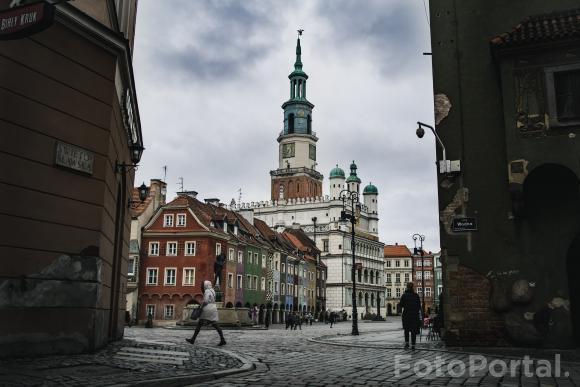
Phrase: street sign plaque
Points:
(25, 20)
(464, 224)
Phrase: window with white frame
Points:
(248, 281)
(439, 290)
(240, 257)
(168, 220)
(418, 275)
(397, 263)
(397, 278)
(406, 261)
(276, 287)
(263, 260)
(131, 266)
(427, 292)
(231, 254)
(169, 311)
(427, 262)
(171, 248)
(407, 277)
(218, 248)
(397, 292)
(427, 276)
(282, 289)
(249, 257)
(190, 248)
(188, 276)
(239, 283)
(325, 245)
(255, 282)
(150, 310)
(263, 283)
(153, 248)
(230, 280)
(283, 268)
(388, 262)
(418, 263)
(180, 220)
(152, 275)
(256, 258)
(420, 291)
(388, 292)
(170, 276)
(439, 275)
(388, 278)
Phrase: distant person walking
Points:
(209, 314)
(411, 305)
(332, 318)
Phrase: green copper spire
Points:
(298, 63)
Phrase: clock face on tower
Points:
(300, 113)
(288, 150)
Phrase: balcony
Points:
(292, 171)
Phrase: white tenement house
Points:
(297, 200)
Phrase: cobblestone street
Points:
(315, 356)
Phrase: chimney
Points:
(214, 201)
(158, 189)
(396, 243)
(191, 194)
(248, 213)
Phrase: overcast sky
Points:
(211, 77)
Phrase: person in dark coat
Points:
(411, 305)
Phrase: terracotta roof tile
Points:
(542, 28)
(397, 251)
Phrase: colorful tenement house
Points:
(398, 272)
(264, 269)
(423, 267)
(141, 213)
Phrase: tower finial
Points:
(298, 63)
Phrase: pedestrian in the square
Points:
(297, 321)
(209, 314)
(290, 321)
(332, 318)
(411, 305)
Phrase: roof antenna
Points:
(164, 173)
(181, 184)
(240, 196)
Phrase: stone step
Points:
(156, 351)
(148, 359)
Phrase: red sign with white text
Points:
(26, 20)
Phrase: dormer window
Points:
(168, 220)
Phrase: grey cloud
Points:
(228, 44)
(390, 28)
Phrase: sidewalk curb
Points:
(247, 365)
(319, 340)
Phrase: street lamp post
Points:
(353, 197)
(421, 238)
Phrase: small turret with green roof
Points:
(353, 178)
(337, 172)
(371, 189)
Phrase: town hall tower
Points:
(296, 176)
